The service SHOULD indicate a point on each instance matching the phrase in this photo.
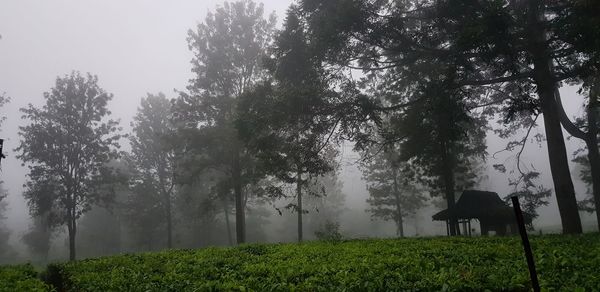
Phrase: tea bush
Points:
(21, 278)
(567, 263)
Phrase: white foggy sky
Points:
(135, 47)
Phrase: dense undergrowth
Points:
(21, 278)
(566, 263)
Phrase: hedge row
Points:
(21, 278)
(567, 263)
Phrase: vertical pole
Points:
(528, 254)
(447, 228)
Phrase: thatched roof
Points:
(480, 205)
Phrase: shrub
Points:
(329, 231)
(21, 278)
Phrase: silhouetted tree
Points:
(66, 146)
(588, 130)
(519, 52)
(287, 123)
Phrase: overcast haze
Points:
(139, 47)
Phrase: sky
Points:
(137, 47)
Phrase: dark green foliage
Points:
(21, 278)
(567, 263)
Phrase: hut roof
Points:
(474, 204)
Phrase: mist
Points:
(136, 48)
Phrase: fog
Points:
(138, 47)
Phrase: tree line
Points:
(412, 84)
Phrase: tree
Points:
(287, 122)
(66, 146)
(519, 52)
(38, 238)
(590, 173)
(152, 156)
(393, 191)
(328, 201)
(228, 49)
(7, 253)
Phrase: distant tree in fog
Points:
(228, 50)
(153, 158)
(7, 253)
(393, 187)
(38, 239)
(67, 145)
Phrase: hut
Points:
(492, 213)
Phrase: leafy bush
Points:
(568, 263)
(329, 231)
(21, 278)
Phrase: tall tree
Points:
(287, 122)
(520, 51)
(151, 153)
(66, 145)
(589, 132)
(228, 49)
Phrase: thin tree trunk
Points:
(227, 223)
(399, 222)
(240, 217)
(169, 222)
(559, 164)
(299, 195)
(448, 178)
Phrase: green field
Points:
(565, 263)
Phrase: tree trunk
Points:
(299, 209)
(399, 221)
(227, 223)
(448, 178)
(72, 227)
(169, 222)
(559, 164)
(593, 151)
(240, 217)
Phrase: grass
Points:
(568, 263)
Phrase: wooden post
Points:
(469, 227)
(528, 254)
